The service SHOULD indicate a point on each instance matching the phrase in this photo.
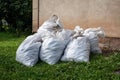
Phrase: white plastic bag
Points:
(77, 50)
(51, 50)
(78, 31)
(27, 52)
(94, 42)
(98, 31)
(64, 35)
(52, 25)
(93, 35)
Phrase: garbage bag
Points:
(77, 50)
(53, 24)
(93, 35)
(94, 42)
(78, 31)
(98, 31)
(27, 52)
(64, 35)
(51, 50)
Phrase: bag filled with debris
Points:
(27, 52)
(51, 50)
(78, 48)
(93, 34)
(52, 25)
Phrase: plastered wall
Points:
(86, 13)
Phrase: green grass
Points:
(99, 68)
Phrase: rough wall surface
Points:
(86, 13)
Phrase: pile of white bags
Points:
(52, 43)
(54, 40)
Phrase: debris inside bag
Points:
(52, 43)
(51, 50)
(77, 50)
(27, 52)
(93, 34)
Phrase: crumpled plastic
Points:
(78, 49)
(28, 51)
(93, 34)
(51, 50)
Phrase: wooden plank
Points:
(35, 25)
(35, 4)
(35, 17)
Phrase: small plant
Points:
(5, 25)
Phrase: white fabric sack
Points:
(94, 42)
(51, 50)
(27, 52)
(77, 50)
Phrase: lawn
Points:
(100, 67)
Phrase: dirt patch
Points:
(117, 71)
(109, 52)
(109, 45)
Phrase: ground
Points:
(100, 67)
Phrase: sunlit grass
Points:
(99, 68)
